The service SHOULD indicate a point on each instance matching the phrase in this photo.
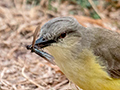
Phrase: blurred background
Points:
(22, 70)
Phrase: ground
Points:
(19, 68)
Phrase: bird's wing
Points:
(111, 58)
(108, 50)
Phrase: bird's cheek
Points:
(54, 51)
(59, 53)
(72, 41)
(49, 48)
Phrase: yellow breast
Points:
(84, 71)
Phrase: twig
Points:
(23, 73)
(5, 82)
(60, 84)
(96, 10)
(1, 76)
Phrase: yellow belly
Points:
(84, 70)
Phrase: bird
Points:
(89, 57)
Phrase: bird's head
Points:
(61, 33)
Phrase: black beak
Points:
(41, 43)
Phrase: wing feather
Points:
(108, 49)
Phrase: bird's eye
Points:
(62, 35)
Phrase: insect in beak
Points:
(34, 48)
